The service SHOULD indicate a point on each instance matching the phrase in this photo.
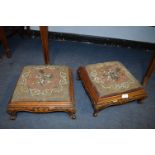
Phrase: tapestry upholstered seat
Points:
(110, 83)
(43, 89)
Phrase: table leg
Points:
(4, 41)
(44, 38)
(149, 71)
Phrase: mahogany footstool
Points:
(43, 89)
(110, 83)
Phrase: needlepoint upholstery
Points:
(43, 83)
(111, 78)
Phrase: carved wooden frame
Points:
(44, 107)
(100, 103)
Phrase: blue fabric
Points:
(74, 54)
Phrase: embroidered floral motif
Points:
(111, 77)
(43, 83)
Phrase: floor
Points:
(74, 54)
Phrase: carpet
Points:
(74, 54)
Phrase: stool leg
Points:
(140, 101)
(13, 115)
(95, 113)
(72, 115)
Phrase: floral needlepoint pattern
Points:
(111, 78)
(43, 83)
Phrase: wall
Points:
(136, 33)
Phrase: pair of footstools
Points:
(50, 88)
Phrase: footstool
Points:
(43, 89)
(110, 83)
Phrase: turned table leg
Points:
(4, 41)
(44, 38)
(149, 71)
